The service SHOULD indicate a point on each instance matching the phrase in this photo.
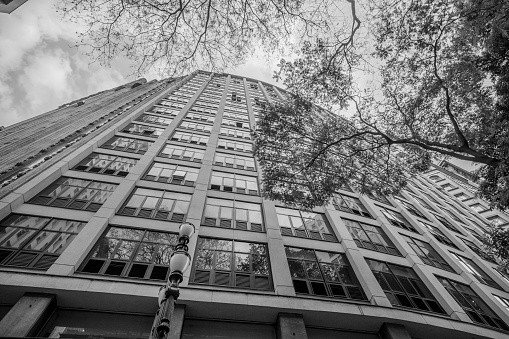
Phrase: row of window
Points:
(36, 242)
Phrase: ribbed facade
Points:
(85, 240)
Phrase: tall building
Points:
(8, 6)
(85, 237)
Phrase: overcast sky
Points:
(39, 70)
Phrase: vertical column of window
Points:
(182, 153)
(323, 274)
(304, 224)
(106, 164)
(75, 194)
(403, 287)
(232, 263)
(127, 145)
(475, 308)
(397, 219)
(134, 253)
(350, 205)
(172, 174)
(427, 253)
(370, 237)
(155, 204)
(35, 242)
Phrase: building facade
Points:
(85, 238)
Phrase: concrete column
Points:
(28, 316)
(393, 331)
(177, 322)
(291, 326)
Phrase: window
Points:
(411, 208)
(182, 153)
(154, 119)
(304, 224)
(396, 219)
(403, 287)
(128, 145)
(322, 273)
(349, 204)
(75, 193)
(423, 203)
(380, 198)
(172, 174)
(439, 235)
(446, 186)
(134, 253)
(234, 133)
(165, 111)
(475, 270)
(155, 204)
(235, 145)
(196, 126)
(477, 207)
(370, 237)
(106, 164)
(427, 253)
(460, 195)
(447, 224)
(190, 138)
(431, 198)
(435, 177)
(452, 215)
(475, 308)
(200, 117)
(498, 221)
(35, 242)
(232, 263)
(235, 123)
(503, 301)
(235, 183)
(234, 161)
(147, 131)
(233, 214)
(479, 251)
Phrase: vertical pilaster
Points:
(291, 326)
(393, 331)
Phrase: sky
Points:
(40, 70)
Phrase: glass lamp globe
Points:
(179, 261)
(186, 230)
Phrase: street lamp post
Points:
(179, 262)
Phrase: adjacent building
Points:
(86, 235)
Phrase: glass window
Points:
(35, 242)
(200, 117)
(235, 183)
(397, 219)
(154, 119)
(423, 203)
(427, 253)
(403, 287)
(106, 164)
(477, 207)
(235, 123)
(145, 130)
(322, 273)
(234, 161)
(234, 133)
(72, 193)
(439, 235)
(380, 198)
(156, 204)
(172, 174)
(475, 308)
(370, 237)
(479, 251)
(128, 145)
(304, 224)
(447, 224)
(129, 252)
(196, 126)
(496, 220)
(349, 204)
(233, 214)
(503, 301)
(192, 138)
(235, 145)
(165, 111)
(182, 153)
(475, 270)
(232, 263)
(452, 215)
(411, 208)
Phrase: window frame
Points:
(172, 178)
(236, 211)
(182, 149)
(218, 179)
(129, 142)
(304, 232)
(81, 166)
(351, 205)
(367, 242)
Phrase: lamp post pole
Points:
(168, 294)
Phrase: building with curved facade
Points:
(86, 236)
